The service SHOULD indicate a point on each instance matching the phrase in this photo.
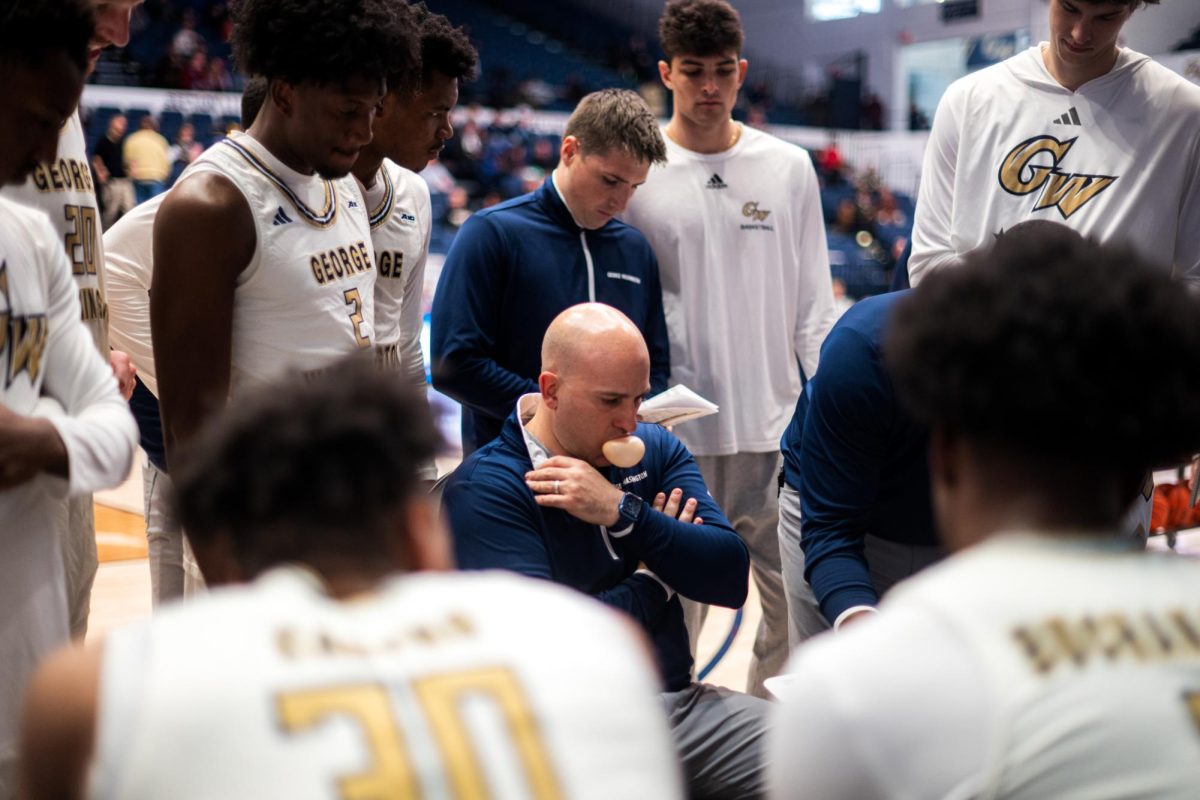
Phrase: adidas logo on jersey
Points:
(352, 204)
(715, 182)
(281, 217)
(1069, 118)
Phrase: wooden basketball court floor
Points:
(121, 593)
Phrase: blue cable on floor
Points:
(724, 648)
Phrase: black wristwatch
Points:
(627, 513)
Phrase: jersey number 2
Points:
(391, 773)
(83, 236)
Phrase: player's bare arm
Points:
(28, 446)
(58, 724)
(203, 239)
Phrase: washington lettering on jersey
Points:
(63, 175)
(22, 338)
(1034, 164)
(331, 265)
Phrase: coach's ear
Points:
(217, 559)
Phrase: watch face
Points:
(630, 508)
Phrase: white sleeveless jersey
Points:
(307, 296)
(129, 268)
(1026, 667)
(401, 223)
(49, 367)
(445, 685)
(64, 190)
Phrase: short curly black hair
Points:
(309, 470)
(31, 29)
(326, 42)
(1054, 349)
(700, 28)
(444, 48)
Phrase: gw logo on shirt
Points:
(1068, 192)
(22, 339)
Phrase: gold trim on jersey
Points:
(383, 212)
(320, 220)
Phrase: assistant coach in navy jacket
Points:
(515, 266)
(543, 501)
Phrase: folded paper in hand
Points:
(675, 405)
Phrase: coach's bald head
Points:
(595, 372)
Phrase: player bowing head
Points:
(327, 63)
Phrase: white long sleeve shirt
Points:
(747, 292)
(46, 349)
(1117, 159)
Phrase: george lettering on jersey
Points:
(22, 338)
(92, 305)
(335, 264)
(1110, 638)
(296, 644)
(63, 175)
(391, 264)
(1033, 165)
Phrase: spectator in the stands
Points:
(147, 160)
(195, 74)
(219, 78)
(187, 40)
(186, 149)
(116, 189)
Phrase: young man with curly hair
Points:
(1049, 657)
(1077, 129)
(734, 217)
(412, 125)
(262, 252)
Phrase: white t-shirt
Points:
(1118, 159)
(129, 267)
(440, 685)
(46, 352)
(64, 190)
(747, 292)
(1027, 667)
(401, 224)
(307, 296)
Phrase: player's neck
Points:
(1072, 77)
(703, 139)
(366, 166)
(271, 135)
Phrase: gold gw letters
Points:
(22, 339)
(751, 210)
(1068, 192)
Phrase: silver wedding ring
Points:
(556, 485)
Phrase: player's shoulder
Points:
(1159, 80)
(26, 226)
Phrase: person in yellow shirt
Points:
(148, 160)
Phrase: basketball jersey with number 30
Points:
(439, 686)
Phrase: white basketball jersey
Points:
(307, 296)
(439, 686)
(64, 190)
(46, 352)
(401, 222)
(1027, 667)
(129, 268)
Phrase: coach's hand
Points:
(672, 507)
(577, 488)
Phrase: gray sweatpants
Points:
(888, 562)
(173, 570)
(75, 524)
(718, 734)
(744, 486)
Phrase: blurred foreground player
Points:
(62, 187)
(64, 428)
(331, 675)
(1049, 657)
